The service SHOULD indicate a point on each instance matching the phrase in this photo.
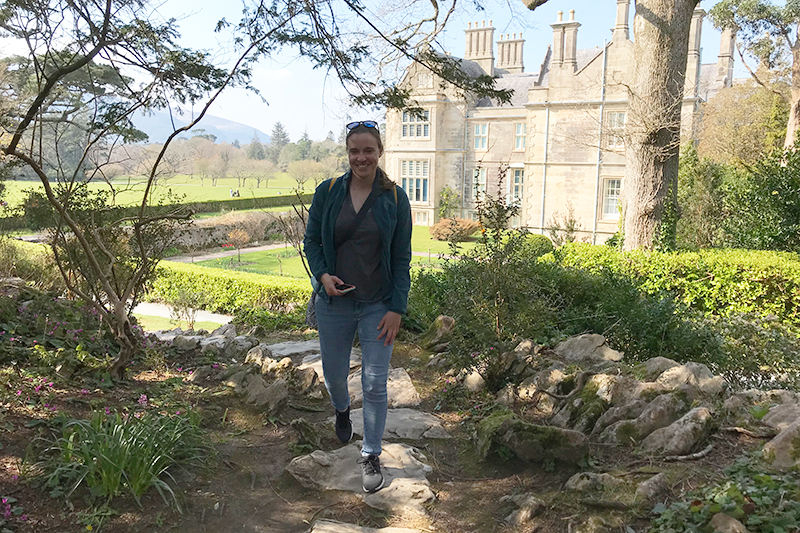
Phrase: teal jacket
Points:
(393, 216)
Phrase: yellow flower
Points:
(89, 527)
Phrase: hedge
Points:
(715, 282)
(211, 206)
(228, 291)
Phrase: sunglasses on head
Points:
(365, 123)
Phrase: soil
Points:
(246, 487)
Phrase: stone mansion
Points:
(560, 141)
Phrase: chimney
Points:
(509, 54)
(621, 27)
(725, 59)
(479, 47)
(571, 42)
(558, 40)
(693, 60)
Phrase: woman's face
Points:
(363, 152)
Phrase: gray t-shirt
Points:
(358, 259)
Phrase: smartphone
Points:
(344, 288)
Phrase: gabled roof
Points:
(518, 82)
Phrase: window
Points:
(414, 180)
(424, 79)
(517, 185)
(416, 125)
(611, 198)
(616, 129)
(421, 218)
(519, 137)
(481, 136)
(475, 184)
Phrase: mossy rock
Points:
(439, 332)
(488, 427)
(533, 443)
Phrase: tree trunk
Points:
(652, 128)
(126, 339)
(793, 123)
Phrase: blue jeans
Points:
(338, 321)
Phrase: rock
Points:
(202, 374)
(305, 380)
(260, 355)
(438, 332)
(722, 523)
(587, 348)
(308, 433)
(437, 361)
(294, 348)
(648, 491)
(628, 411)
(593, 482)
(474, 381)
(236, 381)
(215, 345)
(284, 368)
(529, 507)
(680, 437)
(654, 367)
(399, 387)
(271, 396)
(525, 347)
(441, 347)
(331, 526)
(225, 330)
(661, 412)
(507, 395)
(186, 344)
(239, 347)
(403, 423)
(533, 443)
(407, 488)
(783, 451)
(782, 416)
(314, 361)
(594, 524)
(695, 374)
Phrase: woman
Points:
(358, 246)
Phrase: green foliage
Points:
(228, 291)
(448, 202)
(113, 453)
(31, 262)
(763, 501)
(700, 199)
(270, 320)
(762, 207)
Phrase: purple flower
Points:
(108, 411)
(23, 517)
(19, 393)
(14, 478)
(142, 400)
(84, 391)
(37, 387)
(180, 368)
(177, 412)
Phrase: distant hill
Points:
(158, 126)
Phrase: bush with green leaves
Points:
(115, 453)
(271, 321)
(762, 207)
(228, 291)
(764, 501)
(31, 262)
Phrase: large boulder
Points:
(439, 332)
(696, 375)
(680, 437)
(587, 348)
(628, 411)
(399, 387)
(661, 412)
(534, 443)
(783, 451)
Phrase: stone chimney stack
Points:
(621, 32)
(571, 42)
(725, 59)
(691, 87)
(509, 53)
(480, 44)
(558, 41)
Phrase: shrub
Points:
(454, 229)
(711, 282)
(32, 262)
(112, 453)
(272, 321)
(228, 291)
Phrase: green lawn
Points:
(421, 241)
(157, 323)
(129, 191)
(286, 262)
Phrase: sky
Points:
(308, 100)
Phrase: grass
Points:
(157, 323)
(130, 190)
(421, 241)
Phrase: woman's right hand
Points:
(330, 283)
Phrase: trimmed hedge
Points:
(714, 282)
(228, 291)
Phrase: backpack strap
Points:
(333, 180)
(394, 189)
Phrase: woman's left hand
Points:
(389, 326)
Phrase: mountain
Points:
(158, 126)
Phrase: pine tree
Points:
(255, 150)
(279, 136)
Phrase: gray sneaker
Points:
(371, 475)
